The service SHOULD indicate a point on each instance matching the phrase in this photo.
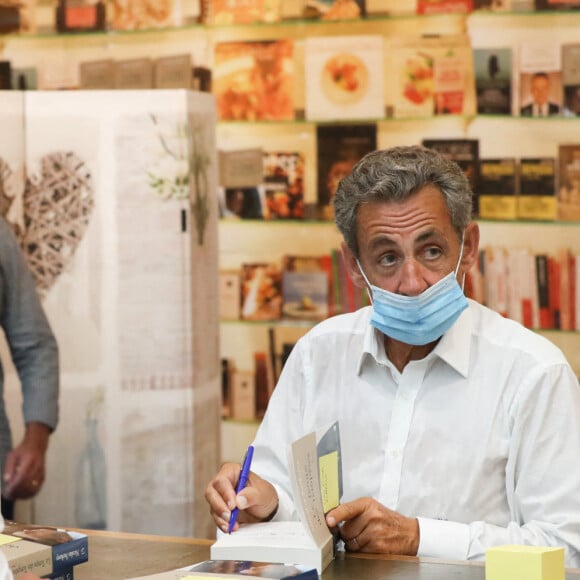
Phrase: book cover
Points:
(537, 195)
(65, 548)
(497, 188)
(237, 569)
(283, 184)
(465, 152)
(229, 294)
(143, 14)
(241, 202)
(344, 77)
(431, 76)
(305, 295)
(557, 4)
(97, 75)
(338, 149)
(493, 80)
(172, 72)
(571, 79)
(390, 7)
(254, 80)
(244, 11)
(241, 168)
(324, 9)
(134, 73)
(315, 467)
(540, 79)
(444, 6)
(569, 182)
(491, 5)
(261, 291)
(243, 395)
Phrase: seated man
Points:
(460, 429)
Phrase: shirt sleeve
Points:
(30, 339)
(542, 478)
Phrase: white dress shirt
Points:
(480, 440)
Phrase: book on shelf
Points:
(42, 550)
(324, 9)
(97, 75)
(229, 294)
(465, 152)
(244, 11)
(243, 395)
(134, 73)
(540, 79)
(304, 288)
(390, 7)
(431, 75)
(283, 175)
(237, 569)
(315, 468)
(557, 4)
(491, 5)
(571, 80)
(493, 80)
(80, 15)
(537, 198)
(344, 77)
(172, 72)
(338, 149)
(241, 202)
(144, 14)
(444, 6)
(254, 80)
(261, 291)
(569, 182)
(497, 188)
(241, 168)
(24, 78)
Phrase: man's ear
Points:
(352, 267)
(470, 247)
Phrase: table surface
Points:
(117, 556)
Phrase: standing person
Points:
(459, 428)
(541, 106)
(34, 352)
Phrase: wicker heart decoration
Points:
(56, 204)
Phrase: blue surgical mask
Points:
(421, 319)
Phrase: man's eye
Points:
(433, 252)
(388, 259)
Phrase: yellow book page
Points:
(4, 539)
(328, 470)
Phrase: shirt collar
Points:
(454, 347)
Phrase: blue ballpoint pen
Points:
(246, 464)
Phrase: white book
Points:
(314, 464)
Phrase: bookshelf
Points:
(267, 241)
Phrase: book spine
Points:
(542, 285)
(64, 556)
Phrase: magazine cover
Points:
(254, 80)
(339, 148)
(540, 79)
(283, 185)
(493, 80)
(344, 77)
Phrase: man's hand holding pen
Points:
(256, 502)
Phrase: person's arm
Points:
(34, 352)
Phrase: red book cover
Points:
(563, 262)
(572, 290)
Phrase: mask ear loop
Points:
(458, 262)
(369, 285)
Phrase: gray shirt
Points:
(30, 339)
